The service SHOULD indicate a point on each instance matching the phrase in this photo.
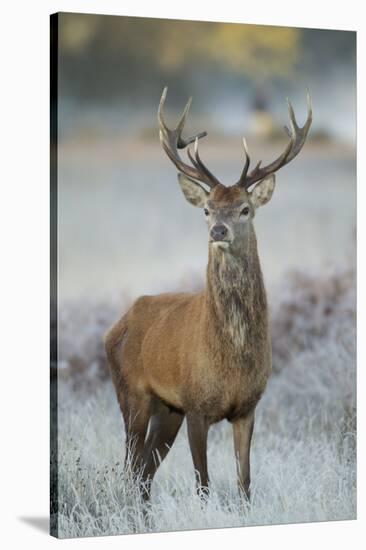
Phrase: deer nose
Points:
(218, 232)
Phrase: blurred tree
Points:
(109, 56)
(175, 44)
(259, 51)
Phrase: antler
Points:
(297, 137)
(172, 140)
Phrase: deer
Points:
(202, 356)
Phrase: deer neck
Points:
(235, 294)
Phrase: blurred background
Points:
(125, 229)
(124, 226)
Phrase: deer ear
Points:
(193, 191)
(263, 191)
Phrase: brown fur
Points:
(226, 195)
(204, 355)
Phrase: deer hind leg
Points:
(135, 407)
(243, 431)
(163, 429)
(136, 411)
(197, 435)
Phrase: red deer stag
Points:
(204, 356)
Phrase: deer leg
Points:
(136, 413)
(197, 434)
(163, 429)
(243, 431)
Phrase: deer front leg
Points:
(243, 431)
(197, 436)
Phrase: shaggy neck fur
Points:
(236, 297)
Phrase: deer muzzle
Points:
(218, 232)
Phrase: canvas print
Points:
(203, 275)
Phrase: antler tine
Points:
(182, 143)
(172, 140)
(197, 163)
(176, 160)
(244, 173)
(259, 173)
(300, 134)
(160, 109)
(183, 118)
(297, 137)
(291, 113)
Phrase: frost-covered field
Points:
(304, 445)
(125, 230)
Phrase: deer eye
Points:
(206, 212)
(245, 211)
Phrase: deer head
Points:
(229, 211)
